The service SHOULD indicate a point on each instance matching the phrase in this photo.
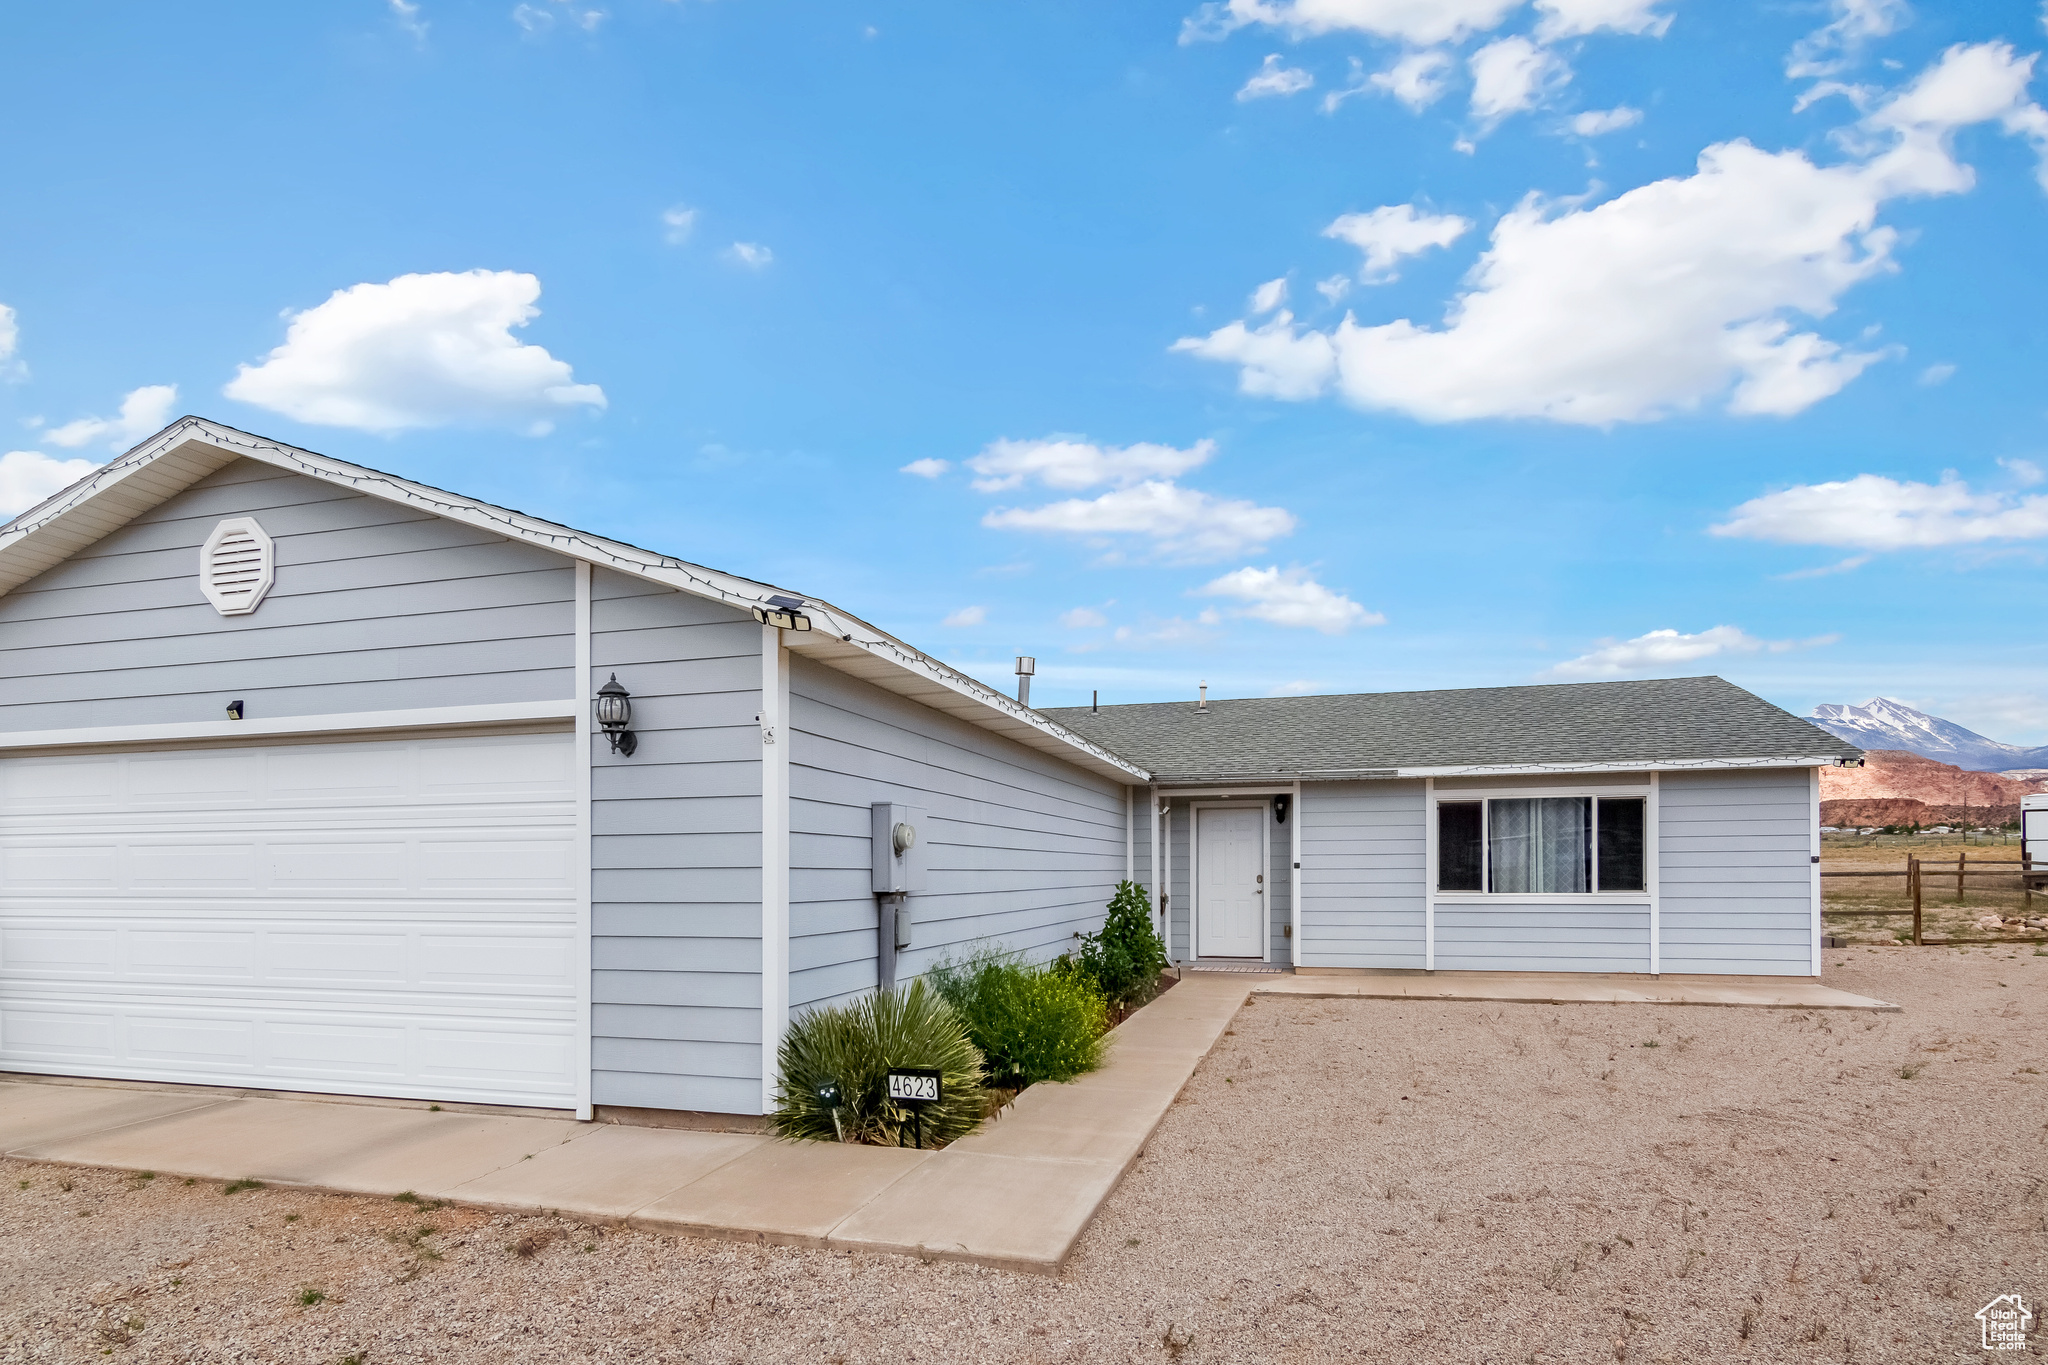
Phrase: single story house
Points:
(314, 778)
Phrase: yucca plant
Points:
(836, 1059)
(1031, 1024)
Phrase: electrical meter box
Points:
(900, 848)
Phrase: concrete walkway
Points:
(1016, 1195)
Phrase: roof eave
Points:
(1667, 765)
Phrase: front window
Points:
(1540, 845)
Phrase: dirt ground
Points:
(1343, 1180)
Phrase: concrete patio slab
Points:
(32, 1115)
(440, 1154)
(284, 1140)
(609, 1173)
(1012, 1213)
(789, 1193)
(1558, 988)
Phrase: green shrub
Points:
(1125, 959)
(853, 1046)
(1031, 1024)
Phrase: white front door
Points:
(393, 917)
(1230, 883)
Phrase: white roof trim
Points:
(59, 526)
(1179, 782)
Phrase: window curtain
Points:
(1540, 845)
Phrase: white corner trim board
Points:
(237, 565)
(419, 718)
(586, 1051)
(775, 736)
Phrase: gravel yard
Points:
(1342, 1180)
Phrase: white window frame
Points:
(1510, 899)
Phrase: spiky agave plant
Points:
(835, 1063)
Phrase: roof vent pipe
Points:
(1202, 698)
(1026, 666)
(1095, 702)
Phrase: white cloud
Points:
(539, 18)
(1594, 122)
(1871, 512)
(1665, 297)
(1663, 651)
(2024, 472)
(1083, 618)
(1334, 288)
(29, 476)
(1387, 234)
(10, 342)
(1833, 49)
(1511, 75)
(752, 255)
(1936, 374)
(143, 411)
(1069, 462)
(1300, 687)
(419, 351)
(1274, 361)
(1175, 630)
(406, 15)
(1289, 597)
(1575, 18)
(1420, 22)
(678, 221)
(1849, 565)
(1269, 296)
(1272, 79)
(966, 616)
(1417, 79)
(926, 468)
(1183, 523)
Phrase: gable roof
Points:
(191, 448)
(1600, 726)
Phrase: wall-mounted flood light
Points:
(613, 708)
(784, 613)
(235, 709)
(1026, 666)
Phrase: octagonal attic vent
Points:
(237, 565)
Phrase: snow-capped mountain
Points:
(1882, 723)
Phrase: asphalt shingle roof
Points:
(1668, 720)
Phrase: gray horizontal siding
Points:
(375, 607)
(1023, 849)
(1362, 855)
(1736, 889)
(1542, 938)
(676, 855)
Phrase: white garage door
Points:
(395, 917)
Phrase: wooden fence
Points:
(1916, 872)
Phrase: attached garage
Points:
(396, 916)
(302, 789)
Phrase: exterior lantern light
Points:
(613, 708)
(784, 613)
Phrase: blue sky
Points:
(1682, 337)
